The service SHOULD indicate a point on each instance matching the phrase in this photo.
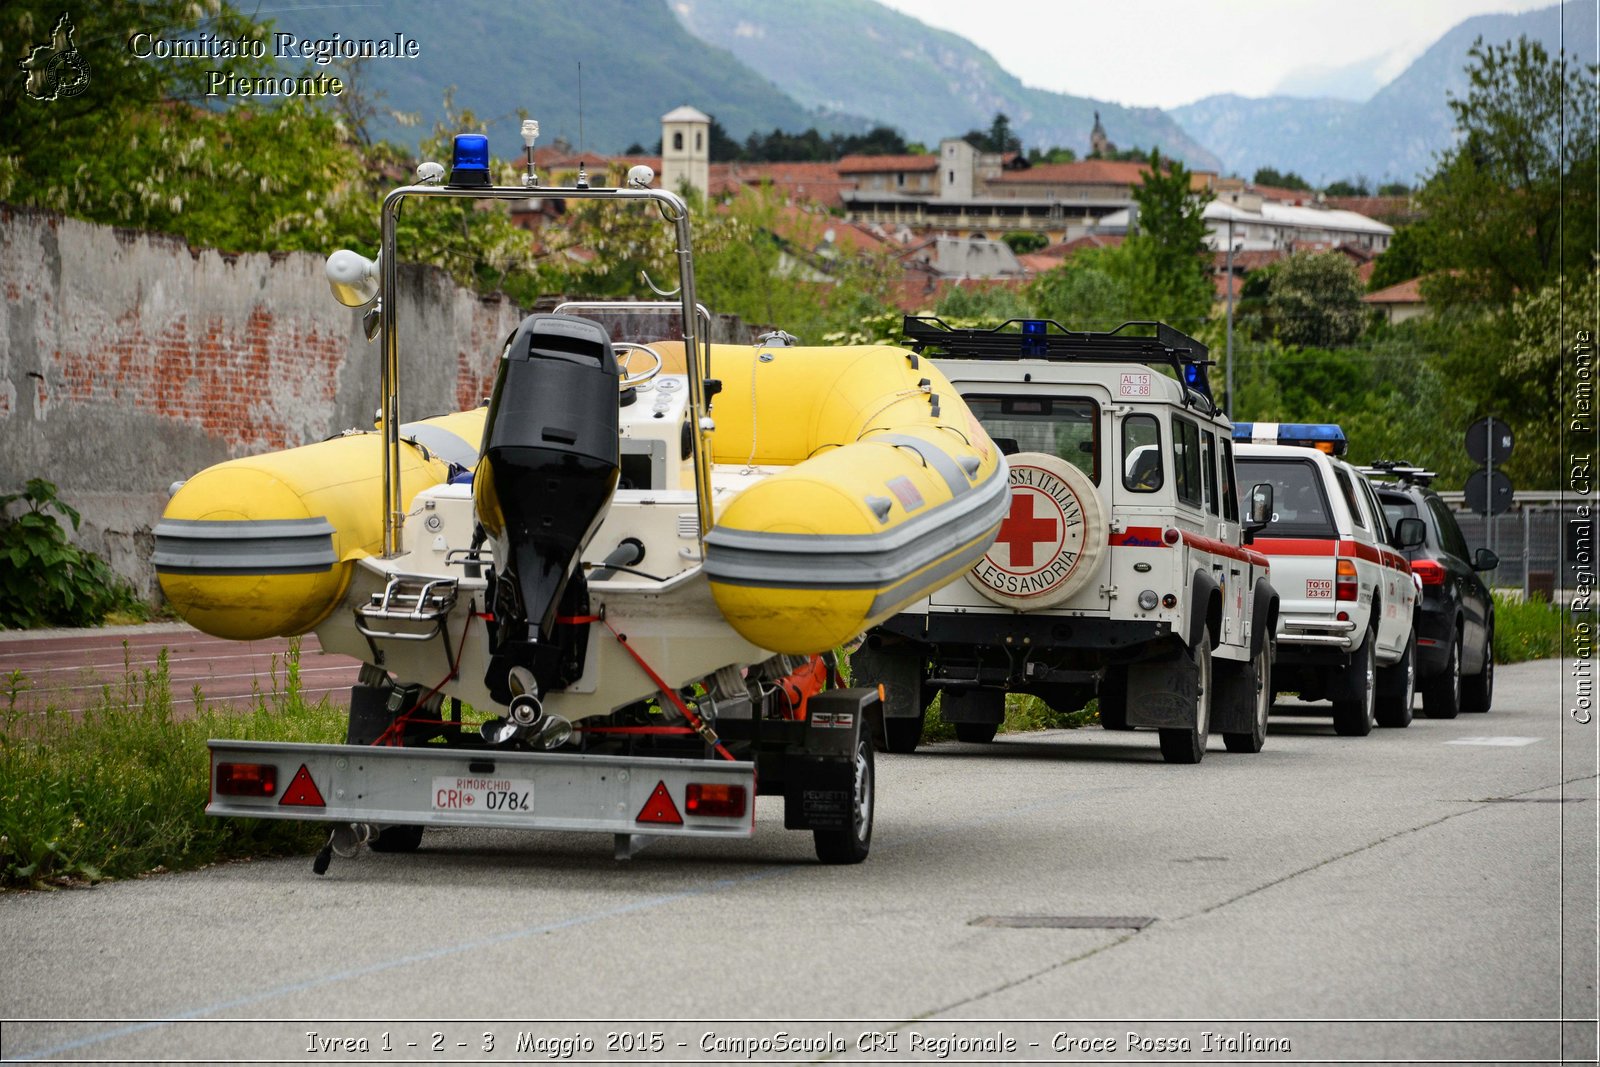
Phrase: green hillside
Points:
(637, 64)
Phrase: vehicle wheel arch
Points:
(1208, 623)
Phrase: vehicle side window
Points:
(1141, 453)
(1397, 508)
(1065, 427)
(1380, 522)
(1450, 535)
(1349, 491)
(1230, 491)
(1208, 471)
(1186, 461)
(1299, 504)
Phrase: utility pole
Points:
(1229, 370)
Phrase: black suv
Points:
(1455, 616)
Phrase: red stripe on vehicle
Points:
(1295, 546)
(1222, 548)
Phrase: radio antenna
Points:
(581, 143)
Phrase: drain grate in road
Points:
(1065, 922)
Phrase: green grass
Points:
(1525, 629)
(120, 789)
(1024, 713)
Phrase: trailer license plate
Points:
(511, 795)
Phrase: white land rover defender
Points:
(1121, 568)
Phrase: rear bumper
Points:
(1316, 632)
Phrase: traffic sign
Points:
(1489, 440)
(1486, 496)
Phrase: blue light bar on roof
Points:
(1324, 436)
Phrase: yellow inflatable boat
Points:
(849, 481)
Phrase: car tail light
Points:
(1344, 580)
(706, 798)
(1429, 570)
(247, 779)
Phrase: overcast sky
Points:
(1164, 53)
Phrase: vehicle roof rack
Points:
(1048, 339)
(1401, 469)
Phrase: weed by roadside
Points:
(1525, 628)
(121, 789)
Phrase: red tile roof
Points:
(1406, 292)
(886, 164)
(1083, 172)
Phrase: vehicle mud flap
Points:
(1233, 701)
(819, 781)
(899, 669)
(1162, 692)
(973, 704)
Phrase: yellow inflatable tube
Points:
(262, 546)
(883, 487)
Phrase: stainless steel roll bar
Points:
(672, 208)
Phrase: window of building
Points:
(697, 141)
(677, 142)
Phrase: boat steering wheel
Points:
(624, 355)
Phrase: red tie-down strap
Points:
(696, 723)
(394, 734)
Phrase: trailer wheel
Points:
(851, 845)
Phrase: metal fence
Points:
(1543, 541)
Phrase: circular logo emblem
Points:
(1041, 540)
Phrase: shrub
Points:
(47, 580)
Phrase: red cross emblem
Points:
(1022, 530)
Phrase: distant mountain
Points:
(1396, 135)
(860, 57)
(637, 61)
(1356, 81)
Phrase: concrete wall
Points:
(129, 361)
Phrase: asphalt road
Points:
(1424, 894)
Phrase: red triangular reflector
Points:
(302, 791)
(659, 807)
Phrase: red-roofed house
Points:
(1399, 302)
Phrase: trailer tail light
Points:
(1429, 571)
(1171, 536)
(727, 801)
(1344, 580)
(247, 779)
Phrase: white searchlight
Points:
(352, 277)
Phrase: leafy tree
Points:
(1404, 259)
(997, 138)
(1394, 189)
(1024, 241)
(1172, 238)
(1285, 180)
(1348, 188)
(1315, 299)
(1516, 197)
(982, 305)
(1053, 154)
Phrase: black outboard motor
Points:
(549, 466)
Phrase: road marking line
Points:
(1496, 742)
